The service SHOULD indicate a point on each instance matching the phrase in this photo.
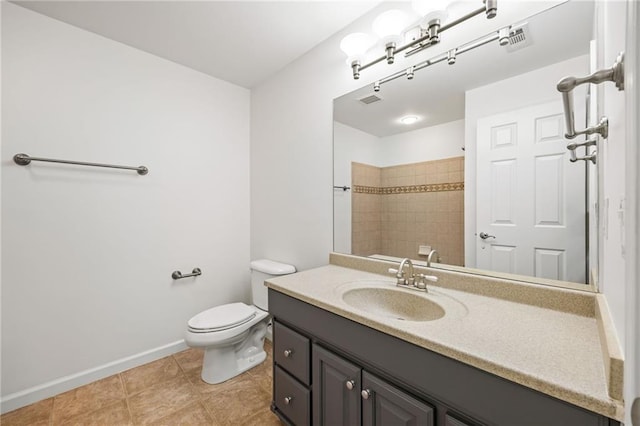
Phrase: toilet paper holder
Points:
(177, 275)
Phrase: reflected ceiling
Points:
(436, 94)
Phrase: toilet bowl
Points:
(232, 335)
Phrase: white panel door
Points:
(531, 199)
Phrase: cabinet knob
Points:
(366, 393)
(350, 384)
(287, 400)
(287, 353)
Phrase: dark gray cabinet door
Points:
(385, 405)
(336, 389)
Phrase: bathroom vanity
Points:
(337, 364)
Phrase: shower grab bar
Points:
(566, 86)
(24, 159)
(177, 275)
(344, 188)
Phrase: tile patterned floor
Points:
(164, 392)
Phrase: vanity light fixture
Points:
(393, 25)
(451, 55)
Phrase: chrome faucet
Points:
(400, 274)
(430, 257)
(413, 281)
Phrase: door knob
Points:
(484, 235)
(366, 393)
(350, 384)
(288, 353)
(287, 400)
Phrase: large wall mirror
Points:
(470, 160)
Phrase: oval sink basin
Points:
(393, 303)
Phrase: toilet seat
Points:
(221, 318)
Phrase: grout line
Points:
(179, 365)
(126, 397)
(53, 404)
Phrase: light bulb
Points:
(440, 15)
(356, 44)
(424, 7)
(389, 25)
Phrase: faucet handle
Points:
(431, 278)
(398, 274)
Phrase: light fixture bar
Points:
(451, 24)
(463, 18)
(430, 38)
(438, 58)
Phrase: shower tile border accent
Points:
(409, 189)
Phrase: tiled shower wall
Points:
(366, 210)
(397, 209)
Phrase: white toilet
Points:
(232, 335)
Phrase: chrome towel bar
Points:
(176, 275)
(24, 159)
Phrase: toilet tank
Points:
(262, 270)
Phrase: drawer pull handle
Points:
(350, 384)
(287, 400)
(366, 393)
(288, 353)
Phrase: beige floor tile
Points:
(191, 359)
(165, 392)
(87, 398)
(116, 414)
(263, 375)
(236, 402)
(263, 418)
(241, 381)
(265, 368)
(161, 400)
(204, 388)
(140, 378)
(35, 414)
(200, 386)
(192, 415)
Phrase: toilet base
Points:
(223, 363)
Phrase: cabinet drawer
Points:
(291, 352)
(291, 398)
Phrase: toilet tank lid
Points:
(272, 267)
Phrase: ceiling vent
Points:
(519, 38)
(369, 99)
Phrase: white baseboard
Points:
(47, 390)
